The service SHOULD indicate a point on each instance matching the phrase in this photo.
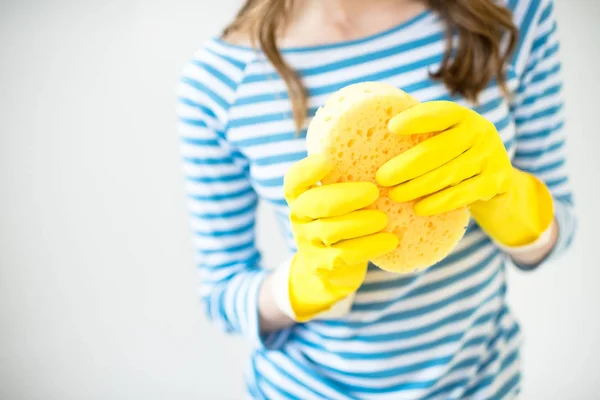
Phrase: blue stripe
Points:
(200, 142)
(552, 183)
(228, 250)
(267, 139)
(542, 169)
(567, 198)
(540, 152)
(543, 75)
(280, 158)
(194, 122)
(234, 62)
(551, 51)
(211, 94)
(503, 123)
(546, 13)
(229, 232)
(216, 74)
(201, 107)
(541, 134)
(551, 91)
(217, 179)
(249, 208)
(223, 196)
(508, 145)
(421, 85)
(209, 160)
(489, 106)
(548, 112)
(271, 182)
(249, 264)
(541, 41)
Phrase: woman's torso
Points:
(442, 333)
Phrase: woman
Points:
(245, 101)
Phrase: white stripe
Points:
(221, 206)
(189, 131)
(277, 148)
(193, 170)
(216, 188)
(207, 226)
(225, 258)
(210, 243)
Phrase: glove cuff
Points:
(540, 243)
(281, 293)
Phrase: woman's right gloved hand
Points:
(335, 236)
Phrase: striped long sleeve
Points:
(539, 118)
(222, 201)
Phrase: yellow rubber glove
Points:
(466, 165)
(335, 236)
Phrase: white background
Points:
(97, 287)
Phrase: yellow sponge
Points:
(351, 128)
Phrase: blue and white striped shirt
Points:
(442, 333)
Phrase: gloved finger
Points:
(461, 168)
(452, 198)
(304, 174)
(425, 157)
(334, 200)
(353, 251)
(355, 224)
(432, 116)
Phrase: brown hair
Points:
(479, 26)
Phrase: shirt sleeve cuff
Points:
(271, 340)
(281, 295)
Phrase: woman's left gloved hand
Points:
(466, 164)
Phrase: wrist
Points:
(271, 317)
